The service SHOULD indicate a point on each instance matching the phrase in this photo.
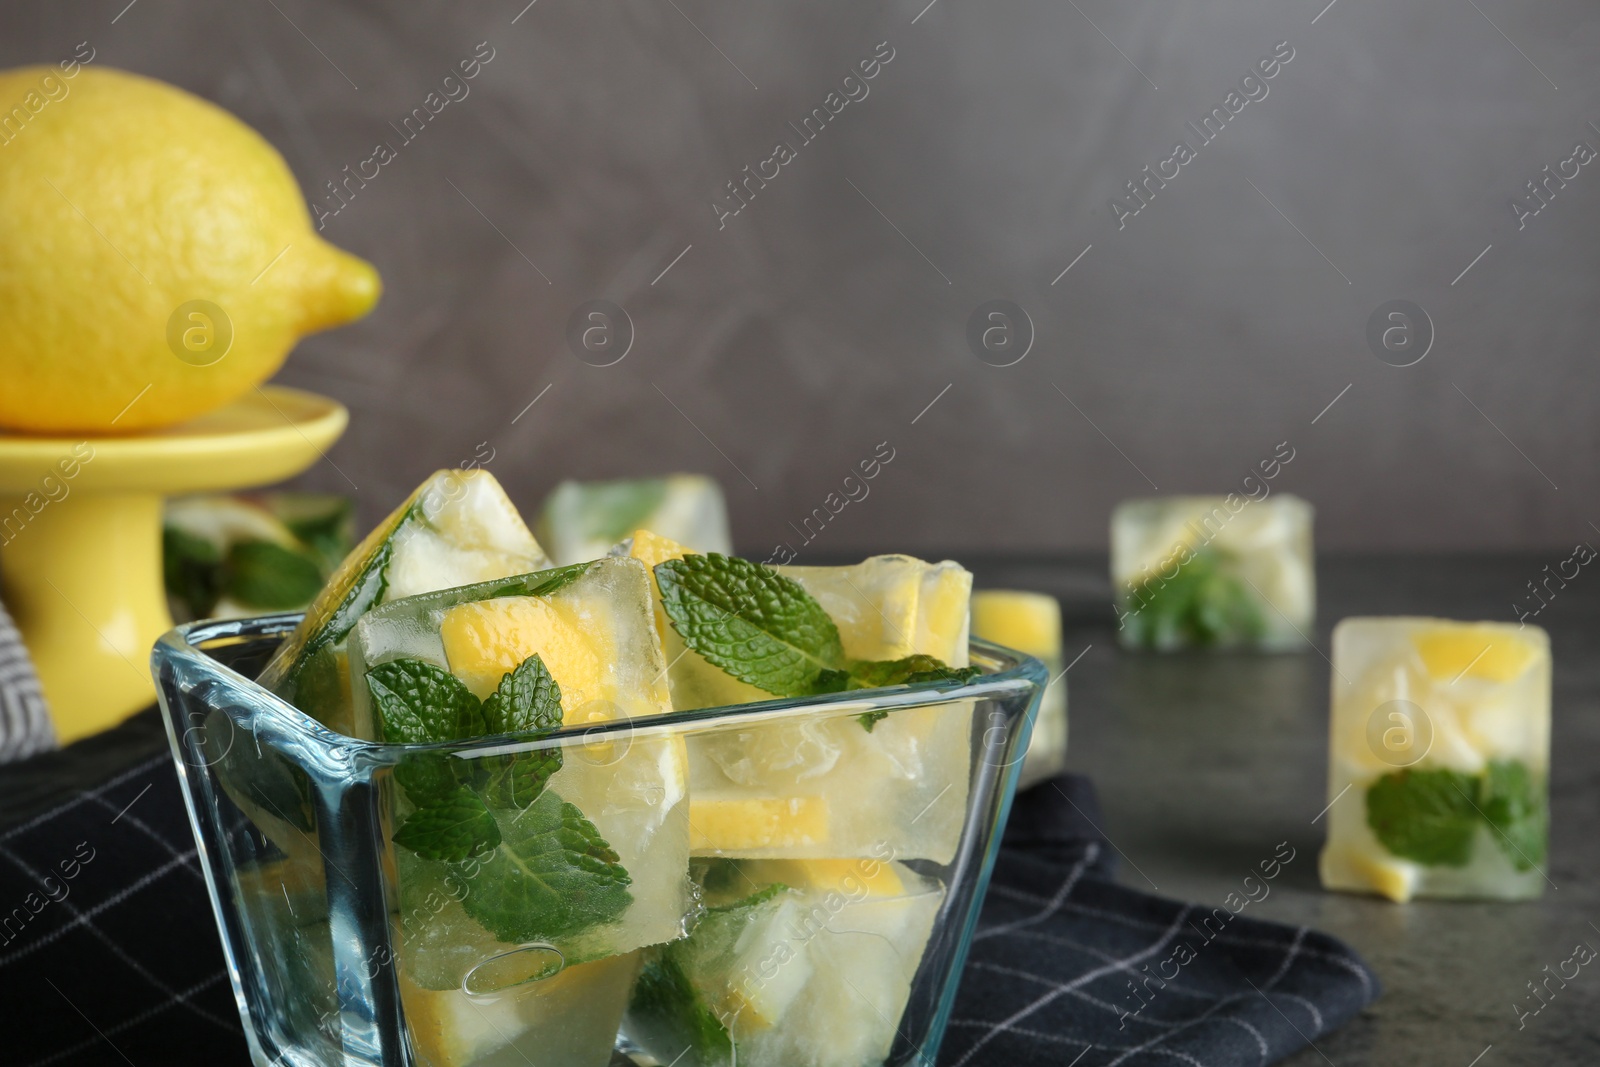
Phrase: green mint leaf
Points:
(269, 576)
(191, 570)
(1511, 802)
(754, 623)
(1202, 605)
(754, 900)
(1429, 816)
(908, 670)
(416, 702)
(361, 594)
(427, 776)
(668, 1012)
(451, 827)
(527, 701)
(538, 583)
(528, 698)
(324, 522)
(552, 876)
(831, 681)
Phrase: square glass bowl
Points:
(346, 949)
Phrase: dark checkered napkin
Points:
(109, 955)
(108, 950)
(25, 727)
(1068, 967)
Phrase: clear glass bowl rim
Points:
(1017, 673)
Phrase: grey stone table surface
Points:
(1204, 762)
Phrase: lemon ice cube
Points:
(904, 781)
(592, 627)
(1438, 759)
(582, 520)
(1031, 623)
(458, 527)
(796, 961)
(569, 1019)
(1213, 571)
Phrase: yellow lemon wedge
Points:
(1027, 622)
(853, 877)
(736, 825)
(158, 259)
(486, 639)
(651, 549)
(1490, 653)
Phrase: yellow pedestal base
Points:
(80, 538)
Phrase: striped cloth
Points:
(25, 727)
(112, 956)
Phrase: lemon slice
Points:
(486, 639)
(877, 878)
(737, 825)
(1027, 622)
(1489, 653)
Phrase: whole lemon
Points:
(156, 257)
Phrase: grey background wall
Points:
(780, 349)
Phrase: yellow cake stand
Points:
(80, 556)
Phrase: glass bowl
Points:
(342, 952)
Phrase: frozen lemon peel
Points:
(159, 260)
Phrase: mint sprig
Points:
(767, 631)
(418, 703)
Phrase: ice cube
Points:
(457, 527)
(1438, 762)
(592, 627)
(1031, 623)
(795, 961)
(829, 788)
(568, 1019)
(582, 520)
(1213, 571)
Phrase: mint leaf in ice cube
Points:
(553, 875)
(528, 701)
(908, 670)
(1429, 816)
(670, 1012)
(754, 623)
(451, 827)
(528, 698)
(1202, 604)
(416, 702)
(1516, 812)
(191, 568)
(269, 576)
